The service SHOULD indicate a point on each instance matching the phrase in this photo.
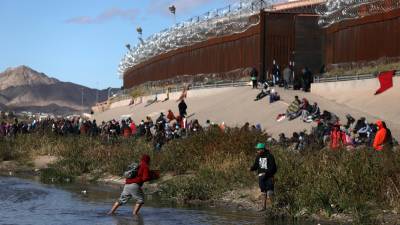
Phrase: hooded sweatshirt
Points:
(143, 173)
(265, 163)
(133, 128)
(380, 136)
(336, 138)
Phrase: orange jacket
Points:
(380, 136)
(338, 138)
(126, 132)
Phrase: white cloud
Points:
(109, 14)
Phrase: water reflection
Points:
(28, 202)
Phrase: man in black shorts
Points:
(266, 169)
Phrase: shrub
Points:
(53, 175)
(211, 163)
(340, 181)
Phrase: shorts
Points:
(266, 184)
(131, 191)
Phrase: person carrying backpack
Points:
(135, 177)
(266, 168)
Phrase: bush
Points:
(6, 152)
(53, 175)
(340, 181)
(214, 162)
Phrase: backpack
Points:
(132, 171)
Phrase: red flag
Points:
(386, 81)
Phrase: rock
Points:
(42, 162)
(301, 213)
(6, 166)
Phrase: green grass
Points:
(373, 67)
(209, 164)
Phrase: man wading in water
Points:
(266, 169)
(133, 186)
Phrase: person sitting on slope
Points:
(264, 92)
(294, 108)
(380, 136)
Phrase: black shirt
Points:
(265, 163)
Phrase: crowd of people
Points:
(287, 78)
(159, 131)
(163, 129)
(331, 131)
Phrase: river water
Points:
(29, 202)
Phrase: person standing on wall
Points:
(254, 75)
(307, 79)
(182, 109)
(287, 73)
(276, 73)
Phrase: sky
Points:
(83, 41)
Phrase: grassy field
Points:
(367, 68)
(209, 164)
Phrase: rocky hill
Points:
(24, 89)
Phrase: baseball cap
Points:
(260, 146)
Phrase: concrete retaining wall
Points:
(120, 103)
(359, 94)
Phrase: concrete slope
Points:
(235, 106)
(360, 95)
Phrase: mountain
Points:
(24, 89)
(23, 76)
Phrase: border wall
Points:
(281, 36)
(364, 39)
(215, 55)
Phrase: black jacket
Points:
(265, 163)
(182, 108)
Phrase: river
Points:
(29, 202)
